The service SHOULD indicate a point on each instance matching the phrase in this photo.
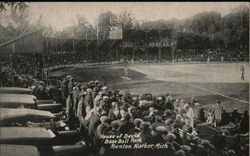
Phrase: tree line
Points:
(204, 30)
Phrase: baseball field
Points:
(209, 83)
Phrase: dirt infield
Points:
(209, 83)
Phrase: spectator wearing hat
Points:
(200, 151)
(200, 112)
(81, 110)
(152, 114)
(88, 101)
(168, 114)
(94, 121)
(210, 118)
(190, 114)
(132, 113)
(146, 134)
(208, 147)
(244, 123)
(97, 98)
(95, 92)
(158, 122)
(187, 128)
(169, 125)
(179, 121)
(105, 90)
(225, 117)
(114, 128)
(75, 96)
(170, 137)
(124, 123)
(168, 104)
(104, 127)
(219, 141)
(104, 103)
(186, 149)
(69, 102)
(180, 153)
(176, 105)
(138, 123)
(217, 112)
(235, 117)
(114, 112)
(161, 131)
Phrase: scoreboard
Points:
(116, 34)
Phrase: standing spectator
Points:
(244, 123)
(81, 113)
(217, 112)
(187, 127)
(200, 112)
(176, 105)
(88, 102)
(94, 121)
(75, 97)
(235, 117)
(97, 98)
(242, 69)
(190, 114)
(69, 102)
(225, 117)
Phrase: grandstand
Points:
(133, 44)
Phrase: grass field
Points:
(208, 82)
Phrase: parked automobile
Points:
(44, 140)
(28, 101)
(15, 150)
(30, 118)
(14, 101)
(15, 90)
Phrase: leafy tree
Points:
(125, 20)
(15, 21)
(15, 5)
(106, 22)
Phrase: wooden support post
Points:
(159, 53)
(133, 53)
(116, 53)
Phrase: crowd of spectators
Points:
(188, 55)
(10, 77)
(19, 71)
(165, 119)
(95, 110)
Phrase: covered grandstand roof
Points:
(31, 30)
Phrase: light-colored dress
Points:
(217, 112)
(190, 115)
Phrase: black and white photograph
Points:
(124, 78)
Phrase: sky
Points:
(62, 14)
